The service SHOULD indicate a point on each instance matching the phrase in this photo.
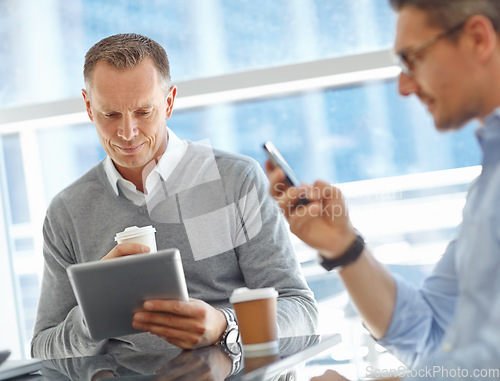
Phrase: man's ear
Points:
(482, 36)
(170, 101)
(86, 98)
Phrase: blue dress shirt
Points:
(450, 327)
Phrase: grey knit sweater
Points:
(215, 208)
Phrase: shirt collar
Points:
(495, 115)
(171, 157)
(488, 136)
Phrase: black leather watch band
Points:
(349, 256)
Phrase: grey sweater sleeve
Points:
(269, 260)
(59, 329)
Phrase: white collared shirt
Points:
(171, 157)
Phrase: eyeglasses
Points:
(406, 59)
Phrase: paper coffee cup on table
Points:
(133, 234)
(256, 312)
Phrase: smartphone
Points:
(277, 160)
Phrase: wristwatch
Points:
(350, 255)
(229, 341)
(234, 352)
(231, 333)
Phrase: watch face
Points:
(234, 348)
(232, 336)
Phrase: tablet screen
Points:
(110, 291)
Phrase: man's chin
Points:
(446, 125)
(128, 162)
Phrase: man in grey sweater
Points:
(211, 205)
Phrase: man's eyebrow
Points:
(101, 106)
(109, 109)
(106, 109)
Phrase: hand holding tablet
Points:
(110, 292)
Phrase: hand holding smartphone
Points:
(277, 160)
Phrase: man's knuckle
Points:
(200, 329)
(193, 341)
(177, 307)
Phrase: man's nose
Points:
(407, 85)
(128, 130)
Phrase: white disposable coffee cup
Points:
(256, 312)
(133, 234)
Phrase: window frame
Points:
(234, 87)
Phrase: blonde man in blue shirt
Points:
(449, 53)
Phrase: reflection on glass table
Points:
(209, 363)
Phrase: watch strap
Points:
(352, 253)
(231, 324)
(233, 350)
(235, 355)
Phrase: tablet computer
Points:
(3, 355)
(109, 292)
(15, 368)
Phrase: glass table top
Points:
(211, 363)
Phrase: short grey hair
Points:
(124, 51)
(447, 14)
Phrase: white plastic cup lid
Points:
(245, 294)
(134, 231)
